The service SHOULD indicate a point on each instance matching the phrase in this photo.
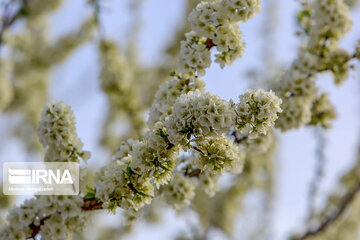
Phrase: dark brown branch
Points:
(91, 204)
(198, 150)
(237, 139)
(345, 203)
(194, 173)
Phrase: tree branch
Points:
(345, 203)
(8, 19)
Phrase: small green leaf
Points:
(89, 196)
(90, 189)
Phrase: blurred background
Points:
(150, 29)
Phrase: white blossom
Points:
(57, 134)
(257, 112)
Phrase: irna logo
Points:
(40, 178)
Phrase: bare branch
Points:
(344, 204)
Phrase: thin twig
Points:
(345, 203)
(319, 170)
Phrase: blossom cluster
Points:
(257, 112)
(180, 191)
(330, 20)
(118, 82)
(257, 145)
(168, 93)
(197, 122)
(138, 165)
(322, 111)
(219, 154)
(33, 54)
(182, 117)
(198, 114)
(37, 8)
(57, 217)
(114, 75)
(57, 133)
(214, 23)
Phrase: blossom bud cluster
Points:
(209, 183)
(37, 8)
(57, 133)
(214, 23)
(330, 20)
(258, 145)
(117, 81)
(115, 73)
(56, 216)
(219, 154)
(180, 191)
(138, 165)
(33, 55)
(322, 111)
(168, 93)
(199, 115)
(257, 112)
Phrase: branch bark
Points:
(345, 203)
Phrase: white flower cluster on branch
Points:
(219, 155)
(257, 112)
(200, 114)
(329, 21)
(57, 133)
(54, 217)
(182, 118)
(197, 122)
(214, 24)
(180, 191)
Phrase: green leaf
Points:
(89, 196)
(90, 189)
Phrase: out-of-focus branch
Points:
(9, 18)
(97, 8)
(319, 171)
(344, 204)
